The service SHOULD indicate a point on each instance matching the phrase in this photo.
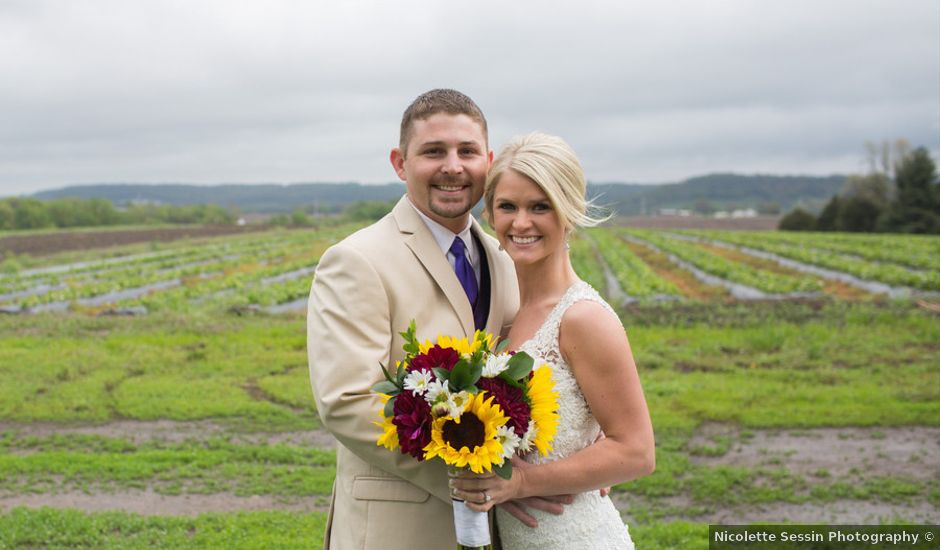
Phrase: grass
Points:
(794, 365)
(93, 463)
(156, 367)
(49, 528)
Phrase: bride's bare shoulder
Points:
(588, 321)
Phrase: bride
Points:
(534, 198)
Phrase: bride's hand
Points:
(482, 492)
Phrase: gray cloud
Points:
(211, 91)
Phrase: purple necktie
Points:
(468, 280)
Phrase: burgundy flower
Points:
(413, 420)
(511, 400)
(436, 357)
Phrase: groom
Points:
(427, 260)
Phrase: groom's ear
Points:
(397, 157)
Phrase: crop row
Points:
(176, 256)
(636, 278)
(887, 273)
(231, 266)
(585, 263)
(913, 251)
(763, 280)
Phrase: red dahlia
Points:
(413, 420)
(511, 400)
(436, 357)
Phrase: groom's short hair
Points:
(441, 100)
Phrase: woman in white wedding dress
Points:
(535, 196)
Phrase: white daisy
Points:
(436, 392)
(418, 381)
(525, 444)
(508, 439)
(456, 403)
(495, 364)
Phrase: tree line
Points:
(28, 213)
(899, 194)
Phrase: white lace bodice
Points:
(590, 521)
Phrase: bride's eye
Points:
(505, 206)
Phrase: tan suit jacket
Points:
(367, 289)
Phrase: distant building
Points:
(739, 213)
(674, 212)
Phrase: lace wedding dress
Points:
(590, 522)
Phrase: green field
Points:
(195, 423)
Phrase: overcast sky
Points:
(196, 91)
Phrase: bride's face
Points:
(526, 224)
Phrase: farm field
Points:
(157, 394)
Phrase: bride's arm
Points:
(595, 346)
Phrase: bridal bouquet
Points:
(472, 405)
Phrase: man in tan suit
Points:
(369, 287)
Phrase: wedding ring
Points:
(486, 497)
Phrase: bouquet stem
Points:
(473, 528)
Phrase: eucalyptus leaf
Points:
(389, 407)
(502, 345)
(387, 387)
(519, 366)
(504, 470)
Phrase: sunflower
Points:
(541, 391)
(461, 345)
(389, 437)
(470, 439)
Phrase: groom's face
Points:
(444, 167)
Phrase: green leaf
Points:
(501, 346)
(410, 346)
(389, 407)
(385, 372)
(476, 372)
(441, 374)
(402, 373)
(387, 387)
(505, 470)
(519, 366)
(460, 376)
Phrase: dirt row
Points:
(911, 453)
(61, 241)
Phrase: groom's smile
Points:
(444, 167)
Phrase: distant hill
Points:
(720, 192)
(715, 191)
(260, 198)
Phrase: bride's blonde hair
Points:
(553, 166)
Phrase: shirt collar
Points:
(445, 237)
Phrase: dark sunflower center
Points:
(469, 433)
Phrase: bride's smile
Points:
(526, 224)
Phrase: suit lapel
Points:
(418, 238)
